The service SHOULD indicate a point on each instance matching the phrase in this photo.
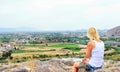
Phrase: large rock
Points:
(113, 69)
(56, 65)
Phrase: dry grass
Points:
(35, 53)
(37, 48)
(82, 46)
(82, 50)
(31, 64)
(8, 68)
(27, 54)
(110, 51)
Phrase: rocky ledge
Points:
(55, 65)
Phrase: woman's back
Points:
(97, 54)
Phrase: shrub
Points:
(6, 54)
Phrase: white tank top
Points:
(97, 55)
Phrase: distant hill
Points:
(114, 31)
(27, 29)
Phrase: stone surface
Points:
(56, 65)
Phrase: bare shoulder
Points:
(91, 43)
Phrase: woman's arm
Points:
(89, 47)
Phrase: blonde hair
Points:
(93, 34)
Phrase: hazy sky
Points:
(59, 14)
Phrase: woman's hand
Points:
(85, 60)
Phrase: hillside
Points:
(114, 31)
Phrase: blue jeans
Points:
(89, 68)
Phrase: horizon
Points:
(63, 15)
(27, 29)
(16, 30)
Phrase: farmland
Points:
(44, 46)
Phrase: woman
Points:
(94, 53)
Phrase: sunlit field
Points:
(41, 52)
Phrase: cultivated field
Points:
(42, 52)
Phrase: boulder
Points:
(56, 65)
